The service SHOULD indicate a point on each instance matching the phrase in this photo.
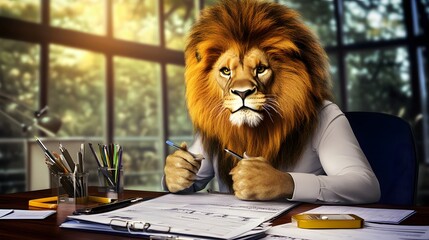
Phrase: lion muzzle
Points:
(245, 105)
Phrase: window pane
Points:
(424, 94)
(83, 15)
(178, 118)
(28, 10)
(76, 90)
(19, 80)
(319, 16)
(179, 15)
(336, 87)
(379, 81)
(137, 97)
(424, 52)
(136, 20)
(373, 20)
(208, 3)
(12, 167)
(422, 8)
(143, 165)
(137, 121)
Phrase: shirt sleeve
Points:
(349, 177)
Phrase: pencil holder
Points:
(111, 181)
(72, 188)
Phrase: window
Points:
(373, 20)
(138, 107)
(19, 80)
(136, 21)
(84, 16)
(378, 56)
(179, 15)
(113, 70)
(27, 10)
(178, 122)
(324, 24)
(379, 80)
(76, 90)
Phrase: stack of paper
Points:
(372, 228)
(376, 215)
(204, 215)
(370, 231)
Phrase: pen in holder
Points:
(111, 181)
(70, 180)
(72, 188)
(110, 171)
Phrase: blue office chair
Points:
(388, 144)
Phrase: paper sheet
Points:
(377, 215)
(4, 212)
(210, 215)
(370, 231)
(26, 214)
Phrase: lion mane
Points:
(298, 85)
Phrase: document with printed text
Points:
(201, 214)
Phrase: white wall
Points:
(38, 173)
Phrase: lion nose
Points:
(245, 93)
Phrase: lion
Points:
(256, 80)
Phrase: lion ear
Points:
(197, 55)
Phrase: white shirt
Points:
(332, 167)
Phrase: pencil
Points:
(233, 154)
(172, 144)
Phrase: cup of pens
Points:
(72, 188)
(69, 179)
(110, 171)
(111, 181)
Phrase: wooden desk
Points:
(49, 227)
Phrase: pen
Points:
(67, 156)
(108, 207)
(64, 162)
(80, 162)
(118, 169)
(82, 157)
(233, 153)
(95, 155)
(60, 164)
(172, 144)
(105, 172)
(45, 149)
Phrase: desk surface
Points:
(49, 227)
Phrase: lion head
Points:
(256, 77)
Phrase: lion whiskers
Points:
(272, 103)
(252, 118)
(266, 109)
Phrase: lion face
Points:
(242, 82)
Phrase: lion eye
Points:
(260, 69)
(225, 72)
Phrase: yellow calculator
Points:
(327, 221)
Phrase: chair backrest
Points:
(388, 144)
